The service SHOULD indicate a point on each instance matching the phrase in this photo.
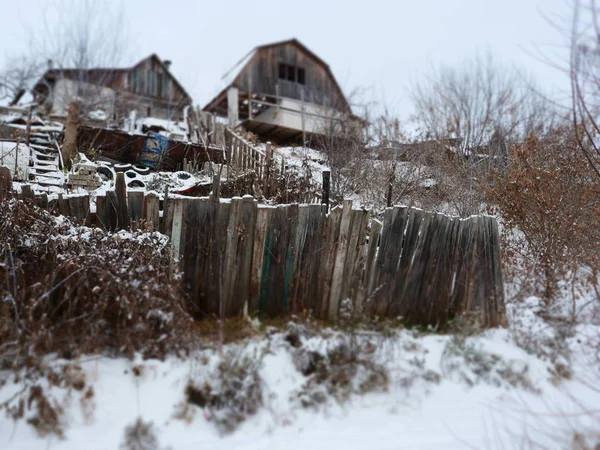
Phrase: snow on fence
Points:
(240, 257)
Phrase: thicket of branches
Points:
(552, 204)
(74, 290)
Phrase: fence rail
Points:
(237, 256)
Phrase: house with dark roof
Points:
(281, 91)
(148, 87)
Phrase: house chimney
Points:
(50, 64)
(167, 63)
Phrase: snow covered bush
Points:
(232, 392)
(463, 358)
(344, 370)
(551, 212)
(140, 436)
(75, 290)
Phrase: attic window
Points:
(292, 73)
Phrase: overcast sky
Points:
(374, 44)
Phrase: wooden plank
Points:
(328, 251)
(353, 287)
(165, 227)
(258, 255)
(101, 211)
(300, 236)
(121, 193)
(278, 262)
(77, 208)
(177, 228)
(135, 203)
(496, 273)
(191, 252)
(240, 235)
(267, 169)
(63, 206)
(462, 295)
(216, 188)
(42, 201)
(374, 236)
(340, 261)
(218, 255)
(112, 203)
(386, 263)
(27, 192)
(325, 194)
(151, 211)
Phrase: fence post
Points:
(71, 130)
(216, 188)
(122, 211)
(232, 107)
(325, 196)
(267, 169)
(388, 198)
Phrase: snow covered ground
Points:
(530, 384)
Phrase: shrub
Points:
(548, 196)
(340, 373)
(474, 365)
(140, 436)
(232, 393)
(77, 290)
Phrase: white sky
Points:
(375, 44)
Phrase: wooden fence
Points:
(242, 156)
(238, 256)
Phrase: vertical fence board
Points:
(151, 211)
(258, 257)
(135, 204)
(121, 192)
(240, 234)
(328, 251)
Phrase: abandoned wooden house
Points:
(282, 92)
(148, 87)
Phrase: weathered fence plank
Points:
(258, 255)
(151, 211)
(135, 202)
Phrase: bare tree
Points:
(476, 100)
(17, 77)
(74, 36)
(584, 66)
(91, 34)
(475, 111)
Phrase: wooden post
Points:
(267, 169)
(216, 188)
(163, 226)
(388, 197)
(27, 192)
(232, 107)
(341, 251)
(121, 192)
(71, 131)
(5, 182)
(325, 196)
(177, 228)
(151, 211)
(28, 128)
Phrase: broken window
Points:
(292, 73)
